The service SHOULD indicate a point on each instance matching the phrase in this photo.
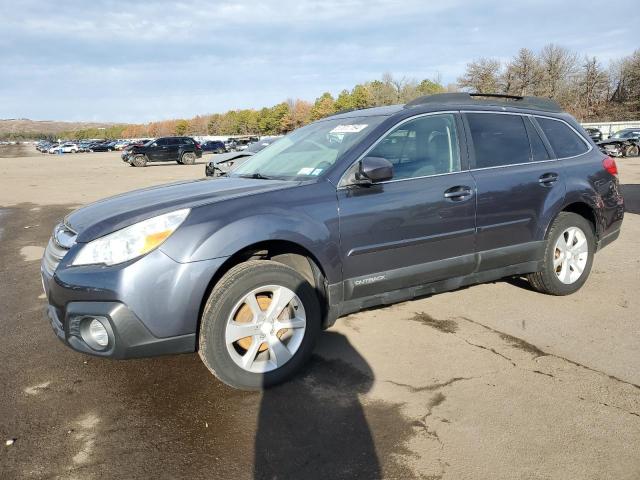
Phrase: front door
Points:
(418, 227)
(157, 150)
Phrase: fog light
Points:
(98, 333)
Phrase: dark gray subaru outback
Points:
(360, 209)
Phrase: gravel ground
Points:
(492, 381)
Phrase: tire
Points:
(179, 162)
(188, 158)
(565, 278)
(632, 151)
(139, 161)
(223, 310)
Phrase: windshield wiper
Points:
(257, 176)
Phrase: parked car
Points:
(183, 150)
(214, 146)
(84, 146)
(136, 143)
(67, 147)
(101, 147)
(240, 143)
(119, 145)
(222, 164)
(594, 133)
(53, 148)
(43, 147)
(624, 143)
(360, 209)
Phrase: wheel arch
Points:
(579, 207)
(286, 252)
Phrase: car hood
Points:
(111, 214)
(226, 157)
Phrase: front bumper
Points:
(128, 337)
(149, 307)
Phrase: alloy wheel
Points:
(265, 328)
(571, 253)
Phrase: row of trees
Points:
(581, 85)
(291, 114)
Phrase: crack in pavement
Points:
(429, 388)
(516, 342)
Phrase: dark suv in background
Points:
(361, 209)
(183, 150)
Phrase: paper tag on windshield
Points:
(305, 171)
(348, 128)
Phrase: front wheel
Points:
(568, 256)
(139, 161)
(259, 326)
(632, 151)
(188, 158)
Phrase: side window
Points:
(187, 141)
(161, 142)
(425, 146)
(538, 150)
(564, 141)
(498, 139)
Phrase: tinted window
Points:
(564, 141)
(538, 150)
(162, 141)
(424, 146)
(498, 139)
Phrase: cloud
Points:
(136, 61)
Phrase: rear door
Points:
(518, 183)
(173, 148)
(418, 227)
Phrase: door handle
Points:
(457, 193)
(548, 179)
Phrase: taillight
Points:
(610, 166)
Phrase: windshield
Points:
(309, 151)
(622, 134)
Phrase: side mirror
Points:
(373, 170)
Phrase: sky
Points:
(139, 61)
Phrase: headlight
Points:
(132, 241)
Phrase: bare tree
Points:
(557, 65)
(523, 74)
(592, 87)
(481, 76)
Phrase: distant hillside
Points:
(24, 127)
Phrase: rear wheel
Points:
(188, 158)
(568, 256)
(139, 161)
(260, 325)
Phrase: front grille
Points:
(59, 244)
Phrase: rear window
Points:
(498, 139)
(564, 141)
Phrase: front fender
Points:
(304, 215)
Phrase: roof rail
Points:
(534, 103)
